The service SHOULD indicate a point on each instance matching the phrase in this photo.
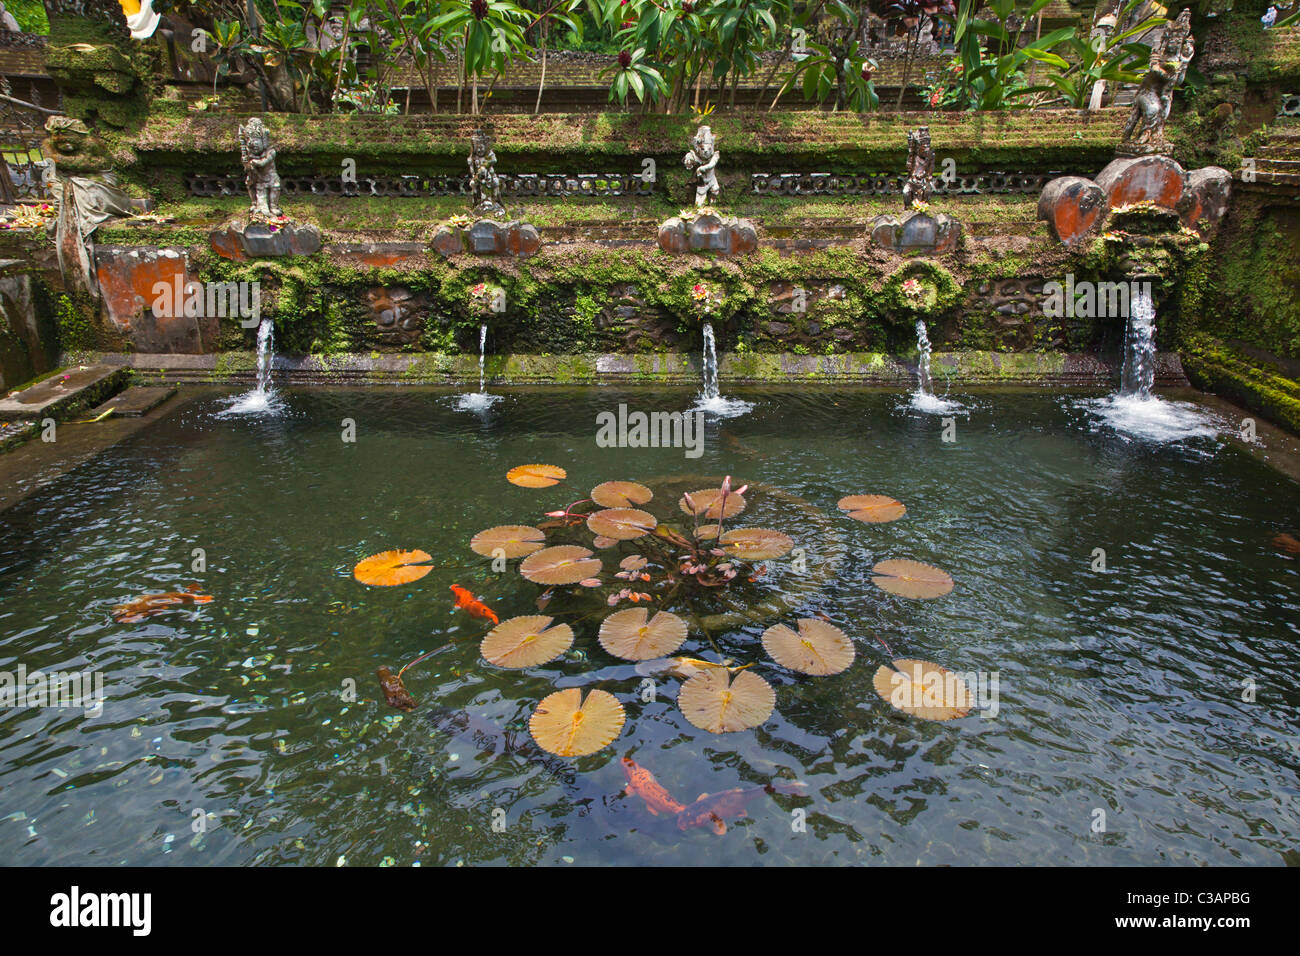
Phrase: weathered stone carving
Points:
(260, 176)
(708, 233)
(484, 183)
(1144, 133)
(920, 168)
(702, 159)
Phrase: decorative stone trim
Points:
(889, 184)
(560, 185)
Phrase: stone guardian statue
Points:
(702, 159)
(258, 156)
(920, 168)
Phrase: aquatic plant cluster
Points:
(672, 570)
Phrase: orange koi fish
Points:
(147, 605)
(475, 607)
(641, 782)
(714, 810)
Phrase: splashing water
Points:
(1139, 374)
(480, 400)
(263, 399)
(711, 399)
(924, 399)
(1134, 411)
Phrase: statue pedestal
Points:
(708, 233)
(265, 240)
(916, 231)
(488, 237)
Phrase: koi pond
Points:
(1113, 601)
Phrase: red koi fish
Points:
(641, 782)
(714, 810)
(474, 606)
(147, 605)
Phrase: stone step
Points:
(64, 391)
(135, 401)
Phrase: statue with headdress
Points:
(258, 156)
(484, 183)
(920, 168)
(702, 159)
(1145, 130)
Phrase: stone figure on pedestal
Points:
(258, 156)
(484, 183)
(920, 168)
(702, 159)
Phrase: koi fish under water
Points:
(466, 600)
(395, 692)
(148, 605)
(715, 809)
(642, 782)
(1287, 542)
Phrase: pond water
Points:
(1118, 690)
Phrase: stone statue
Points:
(484, 183)
(7, 21)
(263, 181)
(1145, 130)
(703, 161)
(920, 168)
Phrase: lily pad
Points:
(873, 509)
(756, 544)
(622, 524)
(818, 648)
(911, 579)
(923, 689)
(627, 634)
(536, 476)
(516, 540)
(715, 702)
(621, 494)
(562, 564)
(568, 726)
(390, 568)
(708, 504)
(526, 641)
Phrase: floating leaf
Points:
(627, 634)
(911, 578)
(873, 509)
(395, 692)
(566, 725)
(516, 540)
(818, 648)
(706, 531)
(147, 605)
(602, 542)
(714, 702)
(756, 544)
(563, 564)
(590, 582)
(683, 667)
(923, 689)
(620, 494)
(708, 502)
(535, 476)
(526, 641)
(633, 562)
(622, 524)
(389, 568)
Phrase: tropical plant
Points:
(1103, 59)
(836, 67)
(488, 34)
(996, 77)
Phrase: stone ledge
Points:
(1057, 369)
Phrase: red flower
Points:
(624, 59)
(479, 8)
(866, 73)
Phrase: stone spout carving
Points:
(258, 156)
(1144, 133)
(702, 159)
(484, 183)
